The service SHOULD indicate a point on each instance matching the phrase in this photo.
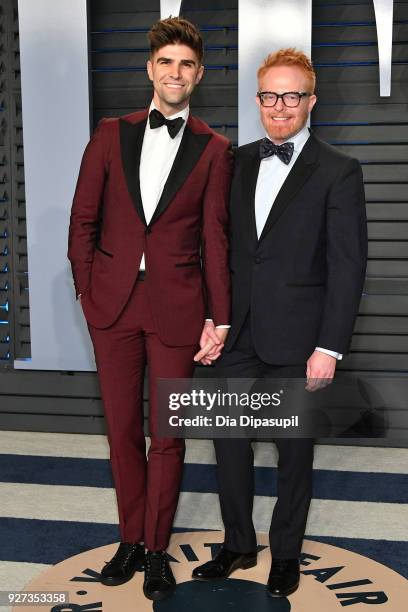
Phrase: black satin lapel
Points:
(190, 150)
(131, 141)
(302, 169)
(250, 191)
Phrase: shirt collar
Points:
(298, 139)
(183, 114)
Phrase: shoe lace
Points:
(123, 554)
(156, 566)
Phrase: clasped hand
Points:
(211, 343)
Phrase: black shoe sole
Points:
(285, 594)
(244, 566)
(119, 581)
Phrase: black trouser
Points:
(235, 470)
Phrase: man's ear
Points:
(200, 73)
(149, 68)
(312, 102)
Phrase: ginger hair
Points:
(290, 57)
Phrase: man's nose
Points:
(175, 71)
(279, 106)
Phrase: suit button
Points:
(148, 230)
(257, 260)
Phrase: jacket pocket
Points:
(187, 264)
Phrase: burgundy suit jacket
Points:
(185, 244)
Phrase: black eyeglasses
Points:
(289, 98)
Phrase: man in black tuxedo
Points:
(298, 257)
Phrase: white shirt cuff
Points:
(220, 326)
(338, 356)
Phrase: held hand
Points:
(320, 370)
(214, 353)
(208, 341)
(211, 343)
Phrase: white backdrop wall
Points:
(265, 26)
(55, 102)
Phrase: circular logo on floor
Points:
(331, 579)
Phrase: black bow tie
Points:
(284, 151)
(156, 119)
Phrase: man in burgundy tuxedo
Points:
(148, 249)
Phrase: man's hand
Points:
(211, 343)
(320, 370)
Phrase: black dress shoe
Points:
(284, 577)
(159, 581)
(128, 559)
(224, 563)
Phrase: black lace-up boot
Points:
(128, 559)
(159, 581)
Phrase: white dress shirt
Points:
(156, 160)
(272, 174)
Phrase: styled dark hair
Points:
(175, 30)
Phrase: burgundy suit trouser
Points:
(147, 487)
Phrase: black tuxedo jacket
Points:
(302, 280)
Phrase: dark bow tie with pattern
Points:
(156, 119)
(284, 151)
